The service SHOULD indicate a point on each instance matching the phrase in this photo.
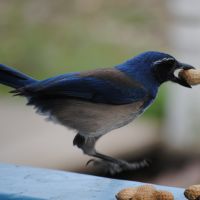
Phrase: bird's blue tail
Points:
(14, 78)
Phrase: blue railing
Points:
(27, 183)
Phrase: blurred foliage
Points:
(42, 37)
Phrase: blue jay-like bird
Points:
(95, 102)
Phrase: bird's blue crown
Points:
(140, 68)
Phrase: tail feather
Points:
(14, 78)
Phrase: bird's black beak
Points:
(179, 79)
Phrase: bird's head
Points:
(163, 66)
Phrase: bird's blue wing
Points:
(103, 86)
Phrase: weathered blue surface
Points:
(26, 183)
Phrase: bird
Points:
(95, 102)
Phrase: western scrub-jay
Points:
(97, 101)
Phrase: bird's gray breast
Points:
(89, 118)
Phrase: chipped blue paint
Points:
(27, 183)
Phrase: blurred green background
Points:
(45, 37)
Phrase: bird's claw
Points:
(90, 161)
(119, 166)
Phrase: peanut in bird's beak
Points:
(192, 76)
(181, 79)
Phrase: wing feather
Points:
(109, 86)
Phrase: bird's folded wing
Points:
(103, 86)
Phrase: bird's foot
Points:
(118, 166)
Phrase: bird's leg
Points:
(87, 144)
(108, 163)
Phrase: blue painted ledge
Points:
(27, 183)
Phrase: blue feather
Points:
(88, 88)
(14, 78)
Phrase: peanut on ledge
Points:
(193, 192)
(144, 192)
